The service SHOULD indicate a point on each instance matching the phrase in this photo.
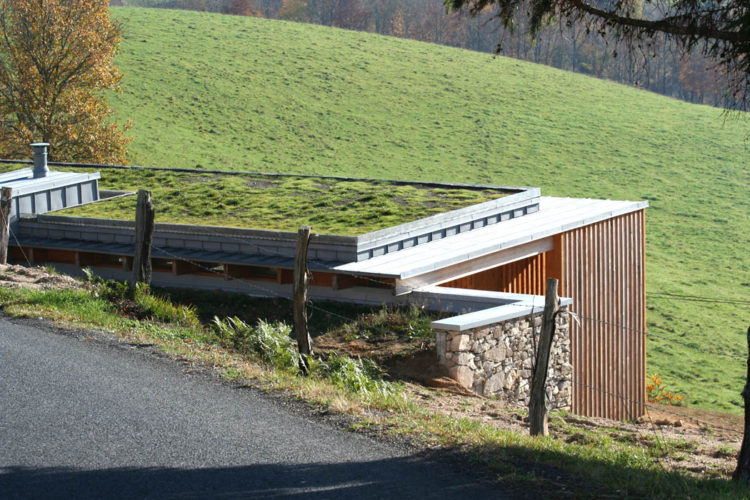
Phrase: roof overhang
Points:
(490, 246)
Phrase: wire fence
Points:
(639, 403)
(267, 291)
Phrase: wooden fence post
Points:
(537, 407)
(6, 198)
(301, 279)
(742, 472)
(144, 233)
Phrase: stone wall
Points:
(496, 360)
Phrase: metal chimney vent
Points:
(40, 159)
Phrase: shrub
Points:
(144, 304)
(162, 308)
(360, 376)
(271, 343)
(656, 392)
(409, 323)
(110, 290)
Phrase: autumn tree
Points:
(719, 29)
(242, 8)
(56, 60)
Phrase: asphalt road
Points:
(86, 418)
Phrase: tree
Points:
(719, 29)
(56, 59)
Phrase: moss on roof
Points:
(330, 206)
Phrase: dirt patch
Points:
(259, 184)
(35, 278)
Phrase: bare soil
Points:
(35, 278)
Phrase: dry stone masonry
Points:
(497, 359)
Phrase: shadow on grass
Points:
(559, 473)
(323, 316)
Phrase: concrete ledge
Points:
(491, 307)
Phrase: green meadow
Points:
(225, 92)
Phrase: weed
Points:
(142, 304)
(270, 343)
(231, 373)
(725, 451)
(162, 309)
(406, 323)
(656, 392)
(360, 376)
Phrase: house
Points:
(487, 261)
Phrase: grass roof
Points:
(330, 206)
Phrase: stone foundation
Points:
(497, 359)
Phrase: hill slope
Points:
(251, 94)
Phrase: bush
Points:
(143, 303)
(271, 343)
(162, 308)
(410, 323)
(110, 290)
(361, 376)
(656, 392)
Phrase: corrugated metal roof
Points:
(555, 215)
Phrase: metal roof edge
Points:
(632, 207)
(512, 201)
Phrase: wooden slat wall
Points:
(523, 276)
(604, 270)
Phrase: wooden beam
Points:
(180, 267)
(144, 233)
(554, 263)
(301, 279)
(127, 263)
(6, 200)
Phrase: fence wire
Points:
(380, 282)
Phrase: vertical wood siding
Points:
(523, 276)
(604, 270)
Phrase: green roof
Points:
(346, 207)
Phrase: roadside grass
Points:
(584, 462)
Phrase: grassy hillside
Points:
(238, 93)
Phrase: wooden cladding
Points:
(604, 269)
(523, 276)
